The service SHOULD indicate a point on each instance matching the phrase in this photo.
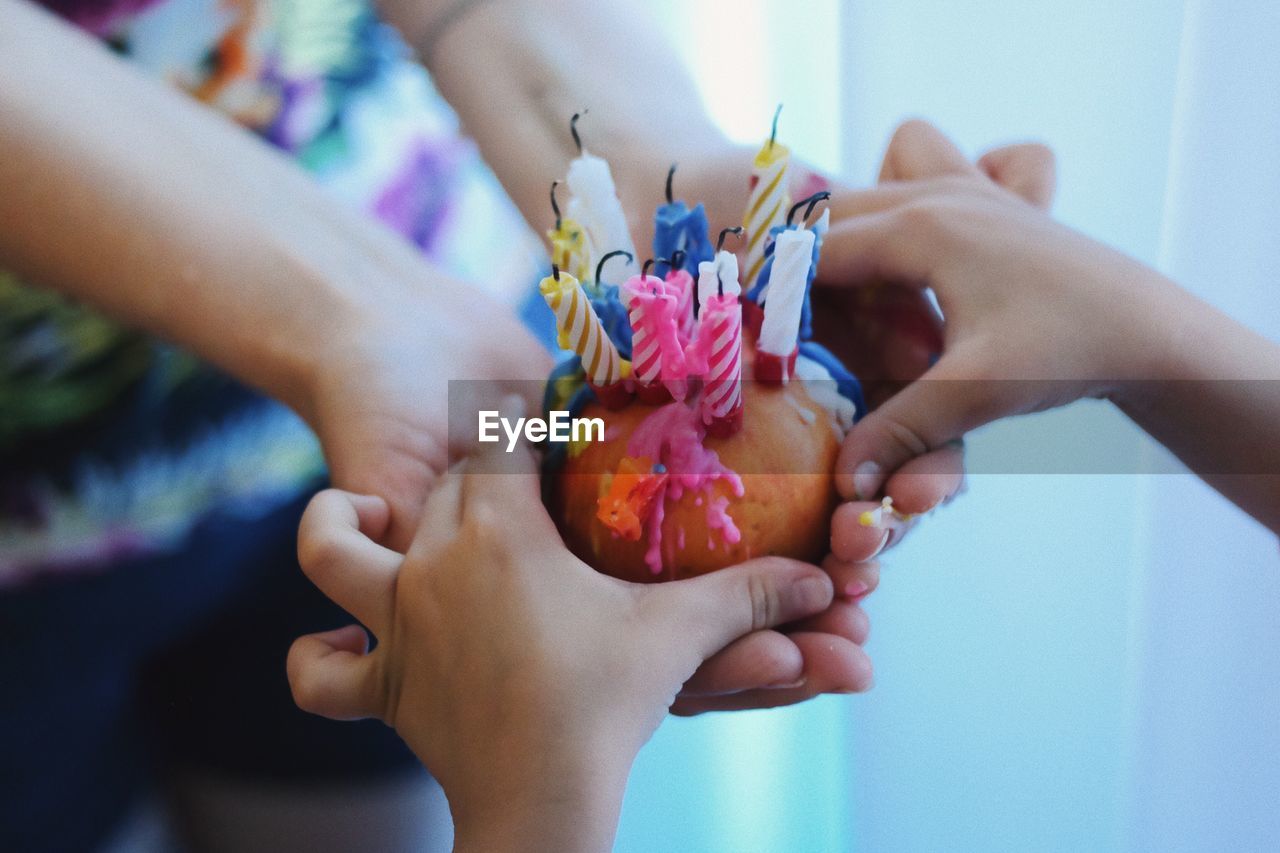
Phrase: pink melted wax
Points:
(673, 436)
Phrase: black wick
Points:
(677, 259)
(724, 232)
(555, 271)
(812, 201)
(605, 259)
(573, 129)
(773, 134)
(644, 270)
(670, 174)
(555, 207)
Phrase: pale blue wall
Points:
(1002, 711)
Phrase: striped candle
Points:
(580, 329)
(656, 354)
(767, 205)
(720, 327)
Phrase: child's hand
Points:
(889, 333)
(525, 680)
(1024, 297)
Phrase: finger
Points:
(843, 618)
(857, 534)
(760, 659)
(920, 150)
(718, 608)
(895, 244)
(854, 581)
(1027, 170)
(329, 674)
(884, 196)
(832, 665)
(923, 483)
(337, 553)
(938, 408)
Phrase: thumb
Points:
(716, 609)
(949, 400)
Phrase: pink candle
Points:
(720, 345)
(680, 285)
(657, 356)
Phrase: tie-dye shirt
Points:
(112, 444)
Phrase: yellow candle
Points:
(767, 205)
(580, 329)
(568, 248)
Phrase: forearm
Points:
(128, 196)
(1215, 401)
(516, 70)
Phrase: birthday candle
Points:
(721, 324)
(768, 202)
(656, 353)
(676, 228)
(711, 273)
(760, 295)
(580, 329)
(568, 244)
(718, 348)
(793, 256)
(595, 204)
(680, 284)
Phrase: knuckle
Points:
(904, 438)
(922, 220)
(764, 603)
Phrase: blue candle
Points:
(760, 292)
(676, 227)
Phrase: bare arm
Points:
(127, 195)
(516, 70)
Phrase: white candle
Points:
(792, 256)
(595, 204)
(711, 273)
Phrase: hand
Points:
(525, 680)
(380, 401)
(889, 333)
(1024, 297)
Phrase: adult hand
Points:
(525, 680)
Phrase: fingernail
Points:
(856, 590)
(788, 685)
(866, 480)
(884, 542)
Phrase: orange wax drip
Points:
(632, 495)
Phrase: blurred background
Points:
(1064, 661)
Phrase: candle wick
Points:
(554, 206)
(677, 259)
(644, 270)
(724, 232)
(719, 283)
(811, 201)
(817, 197)
(555, 271)
(573, 129)
(670, 174)
(773, 134)
(604, 260)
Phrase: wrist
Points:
(568, 804)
